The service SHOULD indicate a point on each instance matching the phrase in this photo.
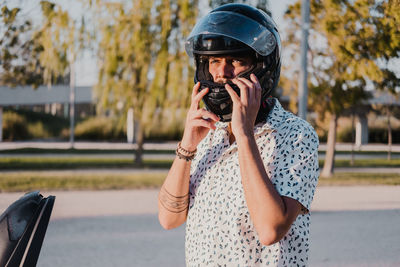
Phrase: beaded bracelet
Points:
(185, 154)
(189, 153)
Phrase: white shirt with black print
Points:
(219, 230)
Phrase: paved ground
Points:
(338, 238)
(76, 204)
(351, 226)
(135, 171)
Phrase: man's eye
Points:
(238, 61)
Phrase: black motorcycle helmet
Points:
(235, 29)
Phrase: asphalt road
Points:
(351, 226)
(339, 238)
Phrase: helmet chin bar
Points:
(218, 100)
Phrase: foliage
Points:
(98, 128)
(142, 61)
(19, 54)
(14, 127)
(37, 130)
(166, 126)
(380, 135)
(375, 135)
(351, 45)
(25, 125)
(260, 4)
(61, 38)
(35, 56)
(54, 38)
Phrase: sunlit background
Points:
(94, 95)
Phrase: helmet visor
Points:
(235, 26)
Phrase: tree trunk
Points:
(353, 139)
(327, 171)
(1, 124)
(389, 156)
(139, 142)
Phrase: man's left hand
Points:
(245, 108)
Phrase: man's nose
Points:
(226, 70)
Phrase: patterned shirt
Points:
(219, 230)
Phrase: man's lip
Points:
(222, 82)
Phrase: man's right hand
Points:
(198, 120)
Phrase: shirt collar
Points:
(275, 117)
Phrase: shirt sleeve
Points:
(295, 169)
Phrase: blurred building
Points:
(53, 100)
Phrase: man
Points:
(246, 170)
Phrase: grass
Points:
(28, 181)
(16, 182)
(33, 178)
(361, 179)
(37, 163)
(366, 163)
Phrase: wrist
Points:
(187, 145)
(244, 134)
(242, 137)
(185, 154)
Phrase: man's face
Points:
(225, 68)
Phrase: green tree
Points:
(142, 62)
(261, 4)
(38, 55)
(19, 54)
(351, 45)
(61, 38)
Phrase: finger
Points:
(205, 114)
(196, 88)
(258, 90)
(197, 98)
(250, 84)
(195, 91)
(235, 98)
(244, 90)
(204, 123)
(200, 95)
(251, 88)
